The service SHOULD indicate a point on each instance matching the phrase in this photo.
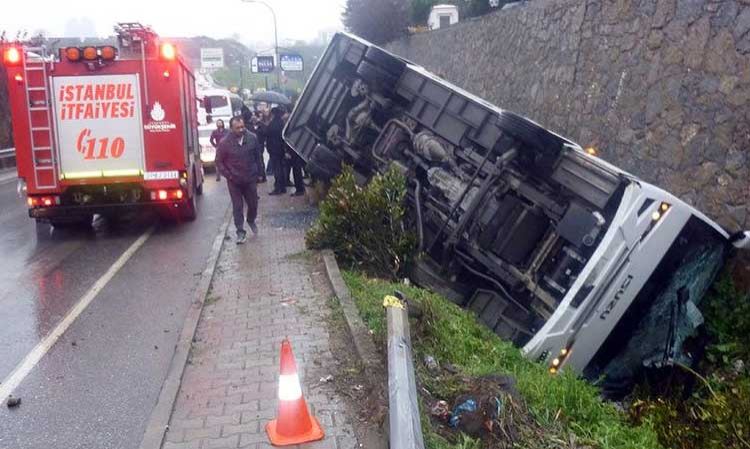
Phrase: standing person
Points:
(247, 114)
(295, 163)
(275, 145)
(238, 158)
(264, 119)
(259, 128)
(216, 135)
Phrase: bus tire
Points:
(319, 172)
(377, 78)
(386, 62)
(530, 133)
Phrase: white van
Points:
(218, 103)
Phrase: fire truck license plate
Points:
(157, 175)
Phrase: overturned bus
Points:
(582, 265)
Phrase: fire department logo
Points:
(157, 112)
(157, 123)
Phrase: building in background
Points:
(442, 16)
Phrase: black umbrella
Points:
(270, 96)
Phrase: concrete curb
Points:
(363, 343)
(158, 423)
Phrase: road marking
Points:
(32, 358)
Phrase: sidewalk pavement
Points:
(261, 292)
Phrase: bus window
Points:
(217, 101)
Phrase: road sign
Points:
(262, 64)
(291, 62)
(212, 58)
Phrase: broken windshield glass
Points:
(666, 313)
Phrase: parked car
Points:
(581, 264)
(208, 152)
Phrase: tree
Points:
(420, 10)
(379, 21)
(474, 8)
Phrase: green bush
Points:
(562, 404)
(364, 226)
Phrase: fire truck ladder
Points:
(37, 98)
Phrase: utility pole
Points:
(242, 76)
(275, 39)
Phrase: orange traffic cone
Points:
(293, 423)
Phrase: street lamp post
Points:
(276, 40)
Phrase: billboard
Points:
(212, 58)
(262, 64)
(98, 123)
(291, 62)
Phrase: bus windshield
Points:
(656, 329)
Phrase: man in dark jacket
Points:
(258, 128)
(238, 158)
(275, 146)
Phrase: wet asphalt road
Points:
(97, 385)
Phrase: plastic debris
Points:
(431, 363)
(13, 402)
(440, 409)
(326, 379)
(469, 405)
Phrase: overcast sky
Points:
(297, 19)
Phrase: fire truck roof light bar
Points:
(105, 53)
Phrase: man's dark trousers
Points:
(296, 164)
(279, 173)
(240, 194)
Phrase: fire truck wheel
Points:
(199, 189)
(190, 211)
(66, 223)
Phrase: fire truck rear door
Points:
(99, 127)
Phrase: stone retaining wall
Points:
(660, 87)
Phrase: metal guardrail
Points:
(7, 158)
(405, 425)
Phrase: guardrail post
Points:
(405, 425)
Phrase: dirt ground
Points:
(366, 398)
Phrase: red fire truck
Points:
(104, 129)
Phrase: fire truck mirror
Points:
(207, 104)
